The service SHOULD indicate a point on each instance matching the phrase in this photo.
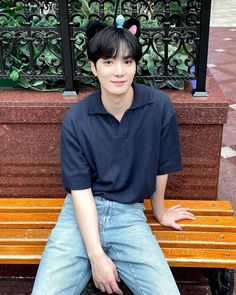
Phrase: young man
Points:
(117, 147)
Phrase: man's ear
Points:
(93, 68)
(133, 25)
(94, 27)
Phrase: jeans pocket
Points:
(139, 206)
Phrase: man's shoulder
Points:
(156, 93)
(80, 108)
(159, 97)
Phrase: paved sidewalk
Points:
(222, 64)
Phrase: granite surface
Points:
(30, 134)
(25, 106)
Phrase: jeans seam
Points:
(130, 268)
(77, 285)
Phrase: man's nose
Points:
(119, 69)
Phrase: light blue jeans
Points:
(126, 238)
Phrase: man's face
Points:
(115, 74)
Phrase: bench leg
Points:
(221, 280)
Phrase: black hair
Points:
(108, 41)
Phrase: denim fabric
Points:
(126, 238)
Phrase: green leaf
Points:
(3, 20)
(49, 56)
(19, 7)
(38, 82)
(24, 49)
(176, 84)
(24, 84)
(20, 20)
(15, 75)
(175, 7)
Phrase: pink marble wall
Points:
(30, 131)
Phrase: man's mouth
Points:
(118, 82)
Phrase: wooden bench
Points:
(209, 241)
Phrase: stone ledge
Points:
(26, 106)
(30, 136)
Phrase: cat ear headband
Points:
(132, 25)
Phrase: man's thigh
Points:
(139, 259)
(64, 267)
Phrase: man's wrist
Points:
(159, 215)
(158, 208)
(95, 253)
(158, 212)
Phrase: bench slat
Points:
(26, 220)
(213, 240)
(201, 223)
(20, 254)
(48, 220)
(31, 205)
(174, 256)
(24, 236)
(166, 239)
(200, 257)
(54, 205)
(198, 207)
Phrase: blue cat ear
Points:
(94, 27)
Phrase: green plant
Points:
(47, 58)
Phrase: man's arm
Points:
(167, 217)
(104, 272)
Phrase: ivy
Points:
(48, 59)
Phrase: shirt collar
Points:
(142, 97)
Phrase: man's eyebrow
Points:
(128, 57)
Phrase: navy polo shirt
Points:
(120, 160)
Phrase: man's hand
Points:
(173, 214)
(104, 274)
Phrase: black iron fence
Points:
(44, 40)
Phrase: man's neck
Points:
(117, 104)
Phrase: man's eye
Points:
(108, 62)
(128, 61)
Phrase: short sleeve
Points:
(170, 155)
(75, 168)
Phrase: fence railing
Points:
(45, 40)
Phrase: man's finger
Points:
(184, 216)
(176, 226)
(101, 287)
(108, 289)
(96, 285)
(175, 207)
(116, 288)
(116, 275)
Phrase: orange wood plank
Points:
(199, 207)
(201, 223)
(175, 257)
(182, 239)
(20, 254)
(26, 220)
(47, 220)
(31, 205)
(166, 239)
(24, 236)
(200, 257)
(54, 205)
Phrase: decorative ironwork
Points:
(30, 42)
(33, 33)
